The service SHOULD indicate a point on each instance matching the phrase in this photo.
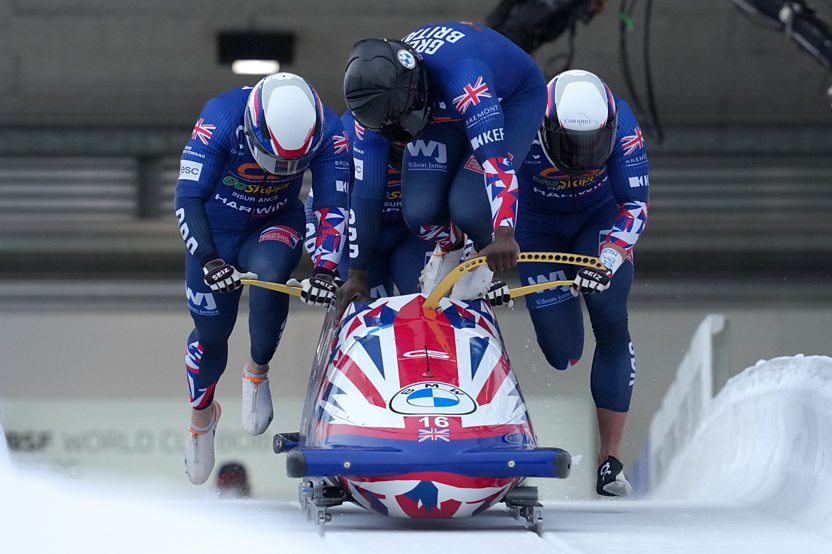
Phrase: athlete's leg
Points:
(555, 313)
(613, 364)
(272, 252)
(214, 315)
(428, 169)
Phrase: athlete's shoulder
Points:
(630, 145)
(436, 41)
(332, 123)
(231, 102)
(627, 120)
(225, 111)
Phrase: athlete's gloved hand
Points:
(223, 277)
(499, 294)
(503, 252)
(320, 289)
(590, 280)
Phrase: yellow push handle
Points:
(279, 287)
(537, 287)
(445, 286)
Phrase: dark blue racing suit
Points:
(386, 248)
(580, 214)
(488, 97)
(228, 207)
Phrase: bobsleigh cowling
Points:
(413, 411)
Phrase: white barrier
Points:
(4, 449)
(685, 402)
(766, 442)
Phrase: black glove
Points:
(223, 277)
(320, 289)
(590, 280)
(499, 294)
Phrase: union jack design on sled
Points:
(413, 411)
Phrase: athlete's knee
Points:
(477, 226)
(275, 273)
(424, 212)
(562, 360)
(213, 337)
(274, 268)
(561, 354)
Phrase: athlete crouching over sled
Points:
(385, 256)
(466, 101)
(238, 211)
(584, 189)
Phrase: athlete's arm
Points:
(200, 167)
(471, 90)
(628, 172)
(370, 152)
(470, 86)
(330, 186)
(311, 225)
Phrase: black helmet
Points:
(386, 88)
(581, 121)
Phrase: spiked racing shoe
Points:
(199, 449)
(257, 410)
(440, 264)
(473, 285)
(611, 479)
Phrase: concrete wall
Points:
(154, 61)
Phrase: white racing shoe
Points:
(440, 264)
(199, 449)
(257, 409)
(473, 285)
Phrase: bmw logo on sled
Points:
(413, 411)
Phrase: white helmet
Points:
(284, 123)
(580, 123)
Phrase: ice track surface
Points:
(754, 479)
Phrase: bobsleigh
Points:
(413, 411)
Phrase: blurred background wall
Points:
(98, 97)
(98, 62)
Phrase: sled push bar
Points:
(378, 462)
(445, 286)
(278, 287)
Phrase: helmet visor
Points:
(405, 127)
(273, 164)
(578, 151)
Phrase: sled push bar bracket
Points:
(445, 286)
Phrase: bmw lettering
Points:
(432, 398)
